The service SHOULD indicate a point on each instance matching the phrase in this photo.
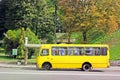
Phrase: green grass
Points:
(10, 59)
(115, 52)
(114, 42)
(5, 58)
(108, 38)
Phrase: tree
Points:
(35, 14)
(68, 16)
(55, 13)
(3, 10)
(109, 19)
(21, 13)
(77, 16)
(84, 15)
(39, 12)
(14, 40)
(43, 21)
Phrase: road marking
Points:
(57, 73)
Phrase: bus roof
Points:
(82, 45)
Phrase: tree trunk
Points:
(84, 37)
(36, 32)
(55, 22)
(69, 34)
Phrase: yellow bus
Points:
(83, 56)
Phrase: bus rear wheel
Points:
(46, 66)
(86, 67)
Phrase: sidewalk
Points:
(15, 65)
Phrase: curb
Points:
(115, 63)
(15, 65)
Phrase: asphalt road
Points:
(112, 73)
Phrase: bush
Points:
(11, 41)
(1, 50)
(50, 39)
(15, 40)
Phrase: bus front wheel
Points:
(46, 66)
(86, 67)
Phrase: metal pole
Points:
(26, 56)
(26, 51)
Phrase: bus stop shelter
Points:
(26, 50)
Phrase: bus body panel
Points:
(73, 61)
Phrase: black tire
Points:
(86, 67)
(46, 66)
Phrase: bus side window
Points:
(70, 51)
(63, 51)
(81, 51)
(45, 52)
(97, 51)
(55, 51)
(89, 51)
(104, 51)
(75, 51)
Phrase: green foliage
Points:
(11, 40)
(75, 16)
(34, 14)
(113, 40)
(20, 13)
(50, 39)
(20, 52)
(86, 15)
(15, 39)
(2, 50)
(109, 38)
(32, 38)
(43, 23)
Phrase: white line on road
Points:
(54, 73)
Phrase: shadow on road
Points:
(61, 70)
